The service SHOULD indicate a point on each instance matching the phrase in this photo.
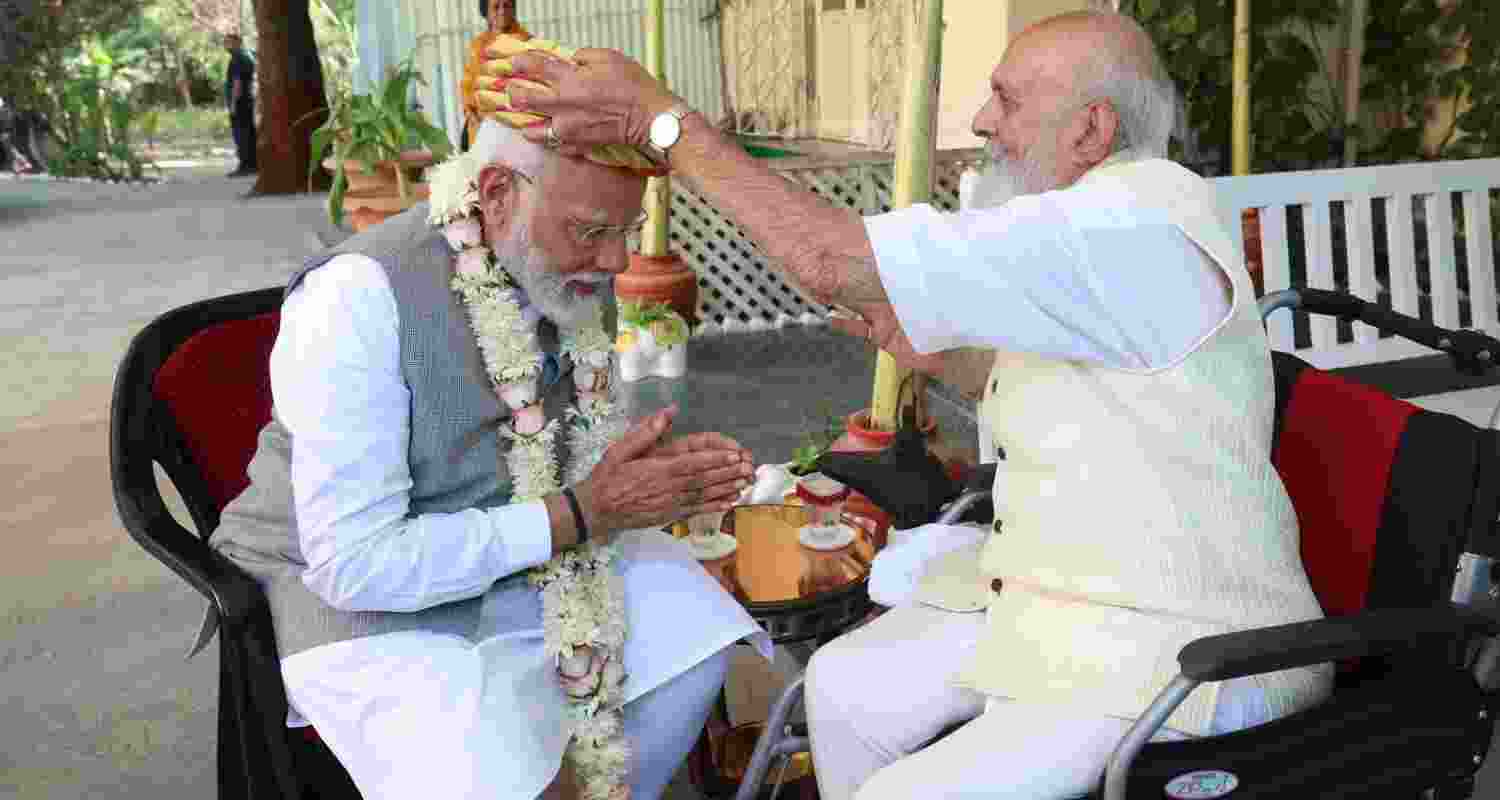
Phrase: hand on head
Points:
(601, 97)
(645, 480)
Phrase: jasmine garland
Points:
(583, 611)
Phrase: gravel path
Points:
(95, 698)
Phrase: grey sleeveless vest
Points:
(455, 456)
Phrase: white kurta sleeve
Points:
(1052, 275)
(337, 385)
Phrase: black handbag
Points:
(905, 480)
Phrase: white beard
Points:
(1004, 179)
(544, 287)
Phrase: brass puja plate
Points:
(771, 566)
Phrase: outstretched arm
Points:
(605, 98)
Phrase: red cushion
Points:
(1338, 441)
(217, 386)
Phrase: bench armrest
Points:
(1301, 644)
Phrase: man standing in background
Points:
(239, 96)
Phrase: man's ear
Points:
(497, 195)
(495, 185)
(1095, 133)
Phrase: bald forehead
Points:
(1054, 50)
(1076, 35)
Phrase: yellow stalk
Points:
(913, 184)
(658, 190)
(1240, 141)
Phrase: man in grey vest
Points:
(380, 516)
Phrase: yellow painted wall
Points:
(766, 47)
(974, 39)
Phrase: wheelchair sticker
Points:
(1202, 785)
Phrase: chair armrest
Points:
(232, 592)
(1301, 644)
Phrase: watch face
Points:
(665, 130)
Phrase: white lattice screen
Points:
(738, 289)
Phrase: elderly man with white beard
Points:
(1102, 313)
(393, 527)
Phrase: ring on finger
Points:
(553, 140)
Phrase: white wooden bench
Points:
(1415, 195)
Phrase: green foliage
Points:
(91, 122)
(42, 40)
(818, 442)
(1296, 98)
(150, 124)
(1295, 102)
(371, 128)
(178, 126)
(669, 328)
(338, 42)
(1405, 53)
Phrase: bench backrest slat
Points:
(1379, 209)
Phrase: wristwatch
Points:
(666, 129)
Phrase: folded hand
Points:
(644, 481)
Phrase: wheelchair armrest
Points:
(1301, 644)
(981, 478)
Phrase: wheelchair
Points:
(1415, 713)
(1389, 498)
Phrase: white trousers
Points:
(429, 735)
(877, 694)
(427, 715)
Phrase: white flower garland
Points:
(583, 611)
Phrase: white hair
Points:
(498, 143)
(1143, 94)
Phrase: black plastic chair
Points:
(1389, 498)
(192, 395)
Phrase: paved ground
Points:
(95, 699)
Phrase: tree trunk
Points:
(184, 80)
(291, 93)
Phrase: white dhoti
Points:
(878, 695)
(420, 714)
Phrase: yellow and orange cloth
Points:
(488, 78)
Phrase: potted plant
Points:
(380, 144)
(652, 341)
(818, 442)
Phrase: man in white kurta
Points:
(413, 714)
(423, 713)
(1103, 312)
